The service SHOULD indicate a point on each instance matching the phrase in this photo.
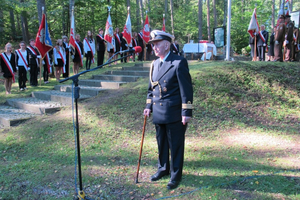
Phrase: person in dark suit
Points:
(289, 38)
(22, 60)
(175, 48)
(65, 40)
(141, 44)
(100, 47)
(33, 62)
(271, 50)
(170, 98)
(262, 41)
(124, 46)
(77, 54)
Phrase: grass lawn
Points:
(243, 141)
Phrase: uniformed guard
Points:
(170, 98)
(262, 41)
(279, 36)
(100, 47)
(288, 38)
(295, 44)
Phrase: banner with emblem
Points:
(127, 34)
(253, 26)
(109, 32)
(146, 31)
(43, 41)
(287, 8)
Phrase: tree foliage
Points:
(92, 14)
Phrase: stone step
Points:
(148, 64)
(34, 105)
(10, 116)
(128, 72)
(57, 96)
(136, 68)
(84, 90)
(122, 78)
(102, 84)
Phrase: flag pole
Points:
(255, 56)
(41, 59)
(145, 46)
(72, 15)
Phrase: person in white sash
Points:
(77, 55)
(59, 57)
(22, 62)
(89, 49)
(8, 67)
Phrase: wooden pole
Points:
(254, 59)
(141, 149)
(41, 59)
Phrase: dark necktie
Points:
(160, 64)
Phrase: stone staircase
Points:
(15, 111)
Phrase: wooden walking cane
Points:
(141, 149)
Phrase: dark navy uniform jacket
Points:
(170, 92)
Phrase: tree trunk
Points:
(1, 26)
(138, 15)
(40, 4)
(142, 12)
(128, 3)
(172, 16)
(199, 20)
(215, 14)
(24, 23)
(243, 8)
(273, 15)
(225, 13)
(12, 23)
(149, 7)
(166, 10)
(291, 5)
(208, 21)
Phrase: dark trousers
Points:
(89, 57)
(67, 66)
(278, 52)
(100, 57)
(170, 136)
(288, 51)
(125, 59)
(261, 53)
(22, 77)
(45, 73)
(141, 56)
(33, 75)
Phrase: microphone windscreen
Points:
(137, 49)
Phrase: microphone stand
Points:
(74, 78)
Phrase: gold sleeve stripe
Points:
(187, 106)
(148, 101)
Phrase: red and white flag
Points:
(146, 31)
(43, 41)
(164, 24)
(109, 32)
(127, 34)
(72, 42)
(253, 26)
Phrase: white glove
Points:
(276, 42)
(28, 68)
(39, 56)
(249, 45)
(147, 112)
(185, 120)
(17, 68)
(264, 45)
(81, 56)
(286, 42)
(72, 56)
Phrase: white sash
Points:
(262, 37)
(24, 60)
(8, 64)
(63, 59)
(90, 49)
(33, 51)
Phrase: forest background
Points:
(186, 19)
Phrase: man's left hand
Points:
(185, 120)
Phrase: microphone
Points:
(136, 49)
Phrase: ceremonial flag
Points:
(253, 26)
(287, 8)
(109, 32)
(127, 35)
(43, 41)
(164, 23)
(146, 31)
(74, 45)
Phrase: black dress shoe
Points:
(158, 175)
(173, 184)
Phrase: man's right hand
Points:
(147, 112)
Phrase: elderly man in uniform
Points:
(170, 97)
(279, 39)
